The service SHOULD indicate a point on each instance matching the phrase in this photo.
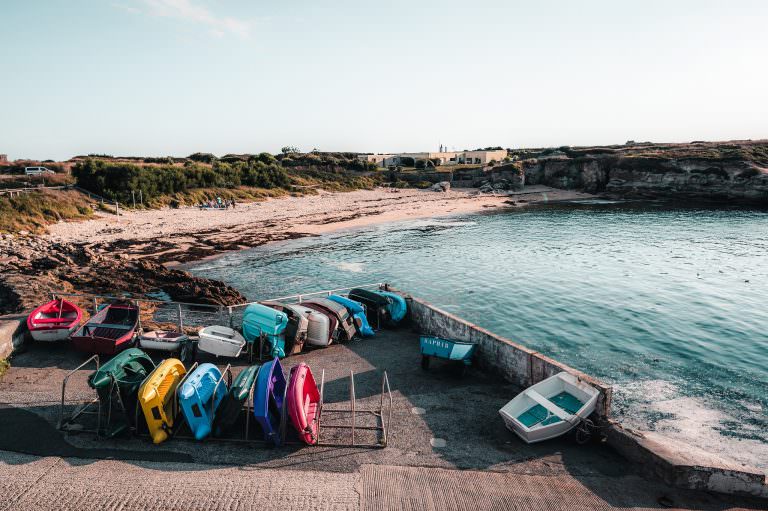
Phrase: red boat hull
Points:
(110, 331)
(303, 399)
(54, 321)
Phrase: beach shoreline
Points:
(178, 236)
(144, 251)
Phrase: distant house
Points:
(37, 171)
(443, 157)
(3, 158)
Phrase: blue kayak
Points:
(358, 312)
(397, 307)
(259, 319)
(268, 396)
(197, 400)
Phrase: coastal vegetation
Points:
(203, 176)
(34, 211)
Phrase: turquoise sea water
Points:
(670, 305)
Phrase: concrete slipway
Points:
(448, 448)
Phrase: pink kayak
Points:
(303, 402)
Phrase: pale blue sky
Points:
(160, 77)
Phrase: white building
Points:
(444, 157)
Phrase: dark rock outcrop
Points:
(31, 268)
(736, 171)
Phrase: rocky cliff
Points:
(725, 171)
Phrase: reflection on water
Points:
(667, 304)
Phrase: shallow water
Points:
(669, 305)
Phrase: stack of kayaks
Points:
(376, 305)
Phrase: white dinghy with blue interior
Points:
(550, 408)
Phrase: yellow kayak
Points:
(156, 397)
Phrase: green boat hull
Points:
(128, 369)
(238, 394)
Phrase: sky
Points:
(173, 77)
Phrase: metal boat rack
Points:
(382, 414)
(381, 417)
(352, 417)
(115, 400)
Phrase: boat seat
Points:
(64, 319)
(567, 402)
(548, 405)
(537, 415)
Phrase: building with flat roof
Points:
(443, 157)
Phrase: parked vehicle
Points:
(550, 408)
(109, 331)
(37, 171)
(54, 321)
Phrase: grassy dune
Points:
(34, 211)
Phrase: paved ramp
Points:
(29, 483)
(434, 489)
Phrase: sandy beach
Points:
(185, 234)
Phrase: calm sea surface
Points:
(669, 305)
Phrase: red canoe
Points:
(54, 321)
(303, 402)
(110, 331)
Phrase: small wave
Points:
(348, 266)
(657, 405)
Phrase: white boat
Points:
(318, 328)
(162, 340)
(550, 408)
(221, 341)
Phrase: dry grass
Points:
(4, 366)
(34, 211)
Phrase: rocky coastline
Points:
(137, 255)
(731, 172)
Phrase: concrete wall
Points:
(513, 362)
(676, 463)
(13, 331)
